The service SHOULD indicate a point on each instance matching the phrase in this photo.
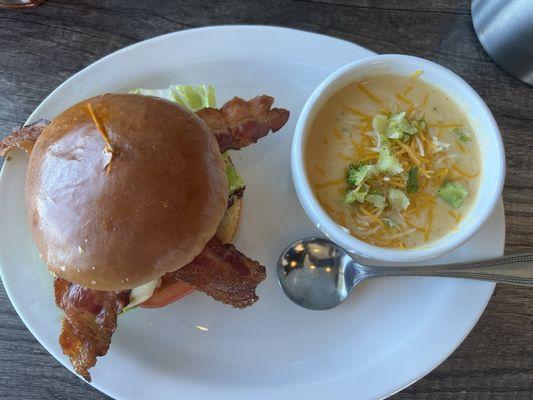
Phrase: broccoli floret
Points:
(453, 193)
(356, 174)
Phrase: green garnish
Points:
(398, 200)
(412, 180)
(399, 127)
(387, 162)
(235, 181)
(463, 136)
(358, 194)
(379, 123)
(453, 193)
(356, 174)
(194, 97)
(376, 200)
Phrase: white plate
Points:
(389, 334)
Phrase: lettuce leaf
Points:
(376, 200)
(387, 162)
(398, 200)
(397, 126)
(379, 123)
(235, 181)
(193, 97)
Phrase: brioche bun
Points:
(117, 219)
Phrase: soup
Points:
(393, 160)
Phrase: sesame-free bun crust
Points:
(117, 222)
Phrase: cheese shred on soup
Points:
(394, 160)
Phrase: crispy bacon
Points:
(240, 123)
(89, 322)
(22, 138)
(90, 318)
(224, 273)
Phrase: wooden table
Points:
(42, 47)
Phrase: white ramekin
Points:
(487, 133)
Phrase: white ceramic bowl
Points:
(487, 134)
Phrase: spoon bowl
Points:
(317, 274)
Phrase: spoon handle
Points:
(514, 270)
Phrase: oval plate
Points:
(388, 335)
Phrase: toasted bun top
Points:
(116, 220)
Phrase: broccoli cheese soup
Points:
(394, 160)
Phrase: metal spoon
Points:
(317, 274)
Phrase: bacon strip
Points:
(90, 318)
(224, 273)
(240, 123)
(89, 322)
(23, 138)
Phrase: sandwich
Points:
(133, 200)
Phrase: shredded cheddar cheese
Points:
(460, 146)
(404, 100)
(331, 183)
(463, 173)
(424, 101)
(411, 153)
(359, 114)
(369, 214)
(415, 75)
(371, 95)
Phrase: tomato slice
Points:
(169, 291)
